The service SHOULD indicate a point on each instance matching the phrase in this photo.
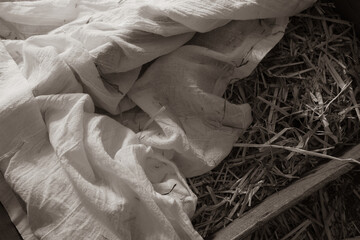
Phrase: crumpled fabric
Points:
(106, 106)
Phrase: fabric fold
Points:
(155, 72)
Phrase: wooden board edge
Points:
(288, 197)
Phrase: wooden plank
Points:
(288, 197)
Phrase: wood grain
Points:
(283, 200)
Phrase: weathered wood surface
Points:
(284, 199)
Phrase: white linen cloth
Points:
(120, 175)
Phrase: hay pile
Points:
(305, 97)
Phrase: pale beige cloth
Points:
(120, 175)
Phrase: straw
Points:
(305, 101)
